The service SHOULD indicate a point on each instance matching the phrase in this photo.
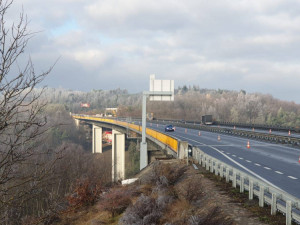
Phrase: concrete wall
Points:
(182, 149)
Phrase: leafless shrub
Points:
(214, 217)
(192, 189)
(144, 211)
(84, 193)
(164, 201)
(169, 172)
(115, 201)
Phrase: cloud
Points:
(231, 44)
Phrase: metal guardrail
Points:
(279, 200)
(274, 138)
(242, 125)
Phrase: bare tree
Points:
(21, 120)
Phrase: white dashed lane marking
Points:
(294, 178)
(248, 161)
(234, 155)
(278, 172)
(241, 158)
(256, 164)
(267, 168)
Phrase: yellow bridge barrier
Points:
(171, 142)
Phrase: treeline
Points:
(44, 180)
(190, 104)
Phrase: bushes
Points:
(146, 210)
(192, 190)
(171, 173)
(214, 217)
(115, 201)
(84, 193)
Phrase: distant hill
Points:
(190, 104)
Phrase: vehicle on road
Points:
(207, 120)
(169, 128)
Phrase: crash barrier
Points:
(169, 141)
(279, 200)
(238, 124)
(274, 138)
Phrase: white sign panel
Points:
(161, 86)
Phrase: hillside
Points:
(189, 104)
(169, 192)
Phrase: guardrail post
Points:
(261, 196)
(274, 204)
(200, 159)
(234, 179)
(227, 175)
(250, 190)
(241, 184)
(288, 214)
(211, 165)
(203, 160)
(221, 170)
(216, 168)
(207, 162)
(194, 154)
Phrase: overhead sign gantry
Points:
(160, 90)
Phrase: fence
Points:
(267, 194)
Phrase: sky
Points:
(215, 44)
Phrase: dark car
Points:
(169, 128)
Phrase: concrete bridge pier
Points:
(97, 139)
(77, 123)
(118, 156)
(182, 150)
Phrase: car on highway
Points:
(169, 128)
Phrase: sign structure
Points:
(160, 90)
(161, 86)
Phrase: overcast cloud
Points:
(226, 44)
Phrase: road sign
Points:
(161, 86)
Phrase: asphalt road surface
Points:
(276, 164)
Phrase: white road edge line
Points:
(245, 168)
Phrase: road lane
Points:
(275, 163)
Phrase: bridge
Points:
(243, 156)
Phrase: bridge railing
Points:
(172, 143)
(267, 194)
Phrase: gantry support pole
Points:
(143, 150)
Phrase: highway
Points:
(297, 135)
(275, 164)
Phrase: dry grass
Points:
(191, 197)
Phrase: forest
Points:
(190, 104)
